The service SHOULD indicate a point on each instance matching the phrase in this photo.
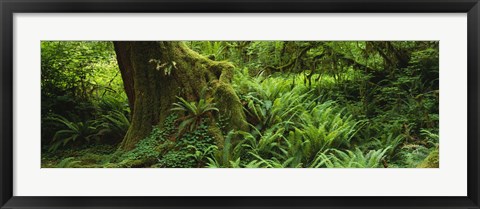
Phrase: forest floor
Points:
(91, 156)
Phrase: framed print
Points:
(237, 104)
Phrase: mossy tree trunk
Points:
(156, 72)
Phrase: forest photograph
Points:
(240, 104)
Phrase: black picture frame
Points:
(9, 7)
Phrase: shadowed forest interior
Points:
(240, 104)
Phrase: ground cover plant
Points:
(240, 104)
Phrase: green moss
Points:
(91, 158)
(216, 133)
(137, 163)
(222, 70)
(431, 161)
(229, 106)
(111, 165)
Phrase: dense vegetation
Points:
(317, 104)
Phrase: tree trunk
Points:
(160, 71)
(122, 50)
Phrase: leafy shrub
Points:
(329, 125)
(146, 149)
(113, 125)
(351, 159)
(68, 162)
(71, 132)
(188, 151)
(194, 112)
(223, 158)
(410, 156)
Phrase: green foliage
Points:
(108, 103)
(215, 50)
(223, 157)
(276, 108)
(147, 150)
(71, 132)
(163, 149)
(432, 137)
(194, 112)
(411, 155)
(329, 126)
(68, 162)
(321, 128)
(431, 161)
(114, 124)
(79, 81)
(309, 104)
(422, 154)
(351, 159)
(201, 155)
(188, 151)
